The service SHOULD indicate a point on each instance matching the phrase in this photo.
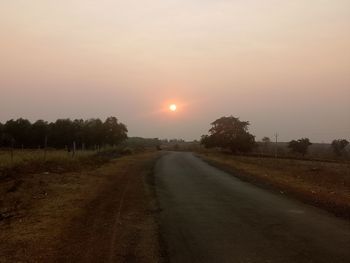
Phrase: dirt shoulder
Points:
(326, 185)
(102, 215)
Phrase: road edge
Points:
(274, 187)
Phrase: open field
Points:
(26, 155)
(60, 217)
(324, 184)
(29, 161)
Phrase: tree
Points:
(265, 143)
(266, 140)
(61, 133)
(1, 133)
(229, 133)
(115, 132)
(93, 133)
(19, 130)
(39, 133)
(300, 146)
(4, 140)
(339, 146)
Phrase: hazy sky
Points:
(282, 65)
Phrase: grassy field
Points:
(32, 161)
(325, 184)
(17, 157)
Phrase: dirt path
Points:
(116, 227)
(108, 219)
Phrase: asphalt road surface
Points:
(208, 215)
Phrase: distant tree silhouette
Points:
(39, 132)
(339, 146)
(93, 133)
(265, 143)
(5, 139)
(1, 132)
(18, 131)
(266, 140)
(62, 133)
(300, 146)
(115, 132)
(229, 133)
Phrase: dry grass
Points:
(32, 161)
(325, 184)
(37, 208)
(25, 156)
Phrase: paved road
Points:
(211, 216)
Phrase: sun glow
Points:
(173, 107)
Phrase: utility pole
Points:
(276, 140)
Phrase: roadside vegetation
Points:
(50, 172)
(14, 162)
(64, 145)
(40, 213)
(321, 178)
(67, 134)
(229, 133)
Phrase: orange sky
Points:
(283, 65)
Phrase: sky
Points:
(282, 65)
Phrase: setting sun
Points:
(173, 107)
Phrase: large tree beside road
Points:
(229, 133)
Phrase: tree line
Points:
(63, 133)
(232, 134)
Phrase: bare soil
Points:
(102, 215)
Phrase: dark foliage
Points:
(229, 133)
(300, 146)
(62, 133)
(339, 146)
(266, 140)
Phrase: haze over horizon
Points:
(282, 65)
